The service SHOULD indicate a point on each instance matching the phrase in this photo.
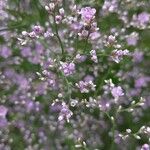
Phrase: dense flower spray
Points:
(74, 75)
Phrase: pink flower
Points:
(117, 55)
(117, 92)
(67, 68)
(94, 56)
(145, 147)
(65, 113)
(144, 17)
(87, 13)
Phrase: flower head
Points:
(143, 17)
(67, 68)
(117, 55)
(87, 13)
(117, 92)
(145, 147)
(86, 86)
(65, 113)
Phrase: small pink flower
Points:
(117, 92)
(145, 147)
(87, 13)
(143, 17)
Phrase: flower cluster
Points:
(85, 86)
(73, 75)
(118, 54)
(87, 14)
(67, 68)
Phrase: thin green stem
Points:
(113, 134)
(86, 42)
(102, 82)
(68, 85)
(112, 119)
(66, 81)
(10, 28)
(76, 46)
(58, 37)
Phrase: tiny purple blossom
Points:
(87, 13)
(110, 6)
(38, 29)
(86, 86)
(48, 33)
(117, 92)
(32, 34)
(94, 56)
(67, 68)
(117, 55)
(80, 58)
(65, 113)
(58, 19)
(56, 106)
(143, 17)
(145, 147)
